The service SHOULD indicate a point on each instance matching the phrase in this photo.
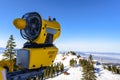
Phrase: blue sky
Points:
(87, 25)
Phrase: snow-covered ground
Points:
(0, 56)
(75, 73)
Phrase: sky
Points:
(87, 25)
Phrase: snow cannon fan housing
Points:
(40, 34)
(33, 26)
(35, 29)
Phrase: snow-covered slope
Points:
(75, 73)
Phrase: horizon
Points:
(93, 52)
(87, 25)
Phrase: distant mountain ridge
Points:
(3, 49)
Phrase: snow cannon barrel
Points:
(19, 23)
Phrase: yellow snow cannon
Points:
(39, 50)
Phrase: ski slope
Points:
(75, 73)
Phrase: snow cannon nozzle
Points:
(19, 23)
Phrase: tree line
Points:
(53, 70)
(114, 69)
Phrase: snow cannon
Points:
(39, 50)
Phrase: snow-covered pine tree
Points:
(9, 53)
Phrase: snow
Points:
(104, 74)
(75, 73)
(0, 56)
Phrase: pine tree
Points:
(109, 68)
(80, 62)
(61, 67)
(78, 56)
(75, 63)
(90, 59)
(45, 73)
(55, 69)
(83, 62)
(58, 69)
(48, 71)
(114, 69)
(119, 71)
(72, 53)
(72, 63)
(9, 53)
(51, 71)
(88, 71)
